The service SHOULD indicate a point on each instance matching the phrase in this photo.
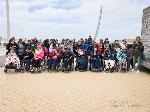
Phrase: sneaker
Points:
(132, 70)
(137, 71)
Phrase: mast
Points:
(8, 20)
(98, 26)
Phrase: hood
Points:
(39, 47)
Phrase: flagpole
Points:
(99, 22)
(8, 20)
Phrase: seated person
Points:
(12, 58)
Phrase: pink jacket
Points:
(39, 54)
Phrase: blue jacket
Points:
(121, 56)
(87, 47)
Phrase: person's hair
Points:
(116, 40)
(124, 40)
(138, 37)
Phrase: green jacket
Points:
(138, 49)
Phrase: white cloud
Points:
(121, 18)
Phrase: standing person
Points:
(21, 49)
(101, 47)
(28, 45)
(34, 43)
(107, 45)
(115, 49)
(138, 50)
(87, 47)
(75, 47)
(46, 46)
(79, 45)
(101, 50)
(129, 53)
(11, 44)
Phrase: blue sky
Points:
(73, 18)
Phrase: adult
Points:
(21, 49)
(138, 49)
(11, 44)
(101, 47)
(107, 45)
(115, 47)
(28, 45)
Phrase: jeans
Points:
(136, 59)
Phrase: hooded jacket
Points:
(100, 47)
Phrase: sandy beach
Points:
(74, 92)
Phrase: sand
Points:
(74, 92)
(2, 51)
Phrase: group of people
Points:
(68, 55)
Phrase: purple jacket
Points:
(129, 53)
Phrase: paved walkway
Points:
(2, 61)
(2, 51)
(74, 92)
(2, 56)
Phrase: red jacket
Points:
(100, 47)
(54, 54)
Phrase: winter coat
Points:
(138, 49)
(28, 55)
(20, 49)
(39, 54)
(12, 58)
(129, 53)
(55, 54)
(10, 45)
(115, 47)
(121, 56)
